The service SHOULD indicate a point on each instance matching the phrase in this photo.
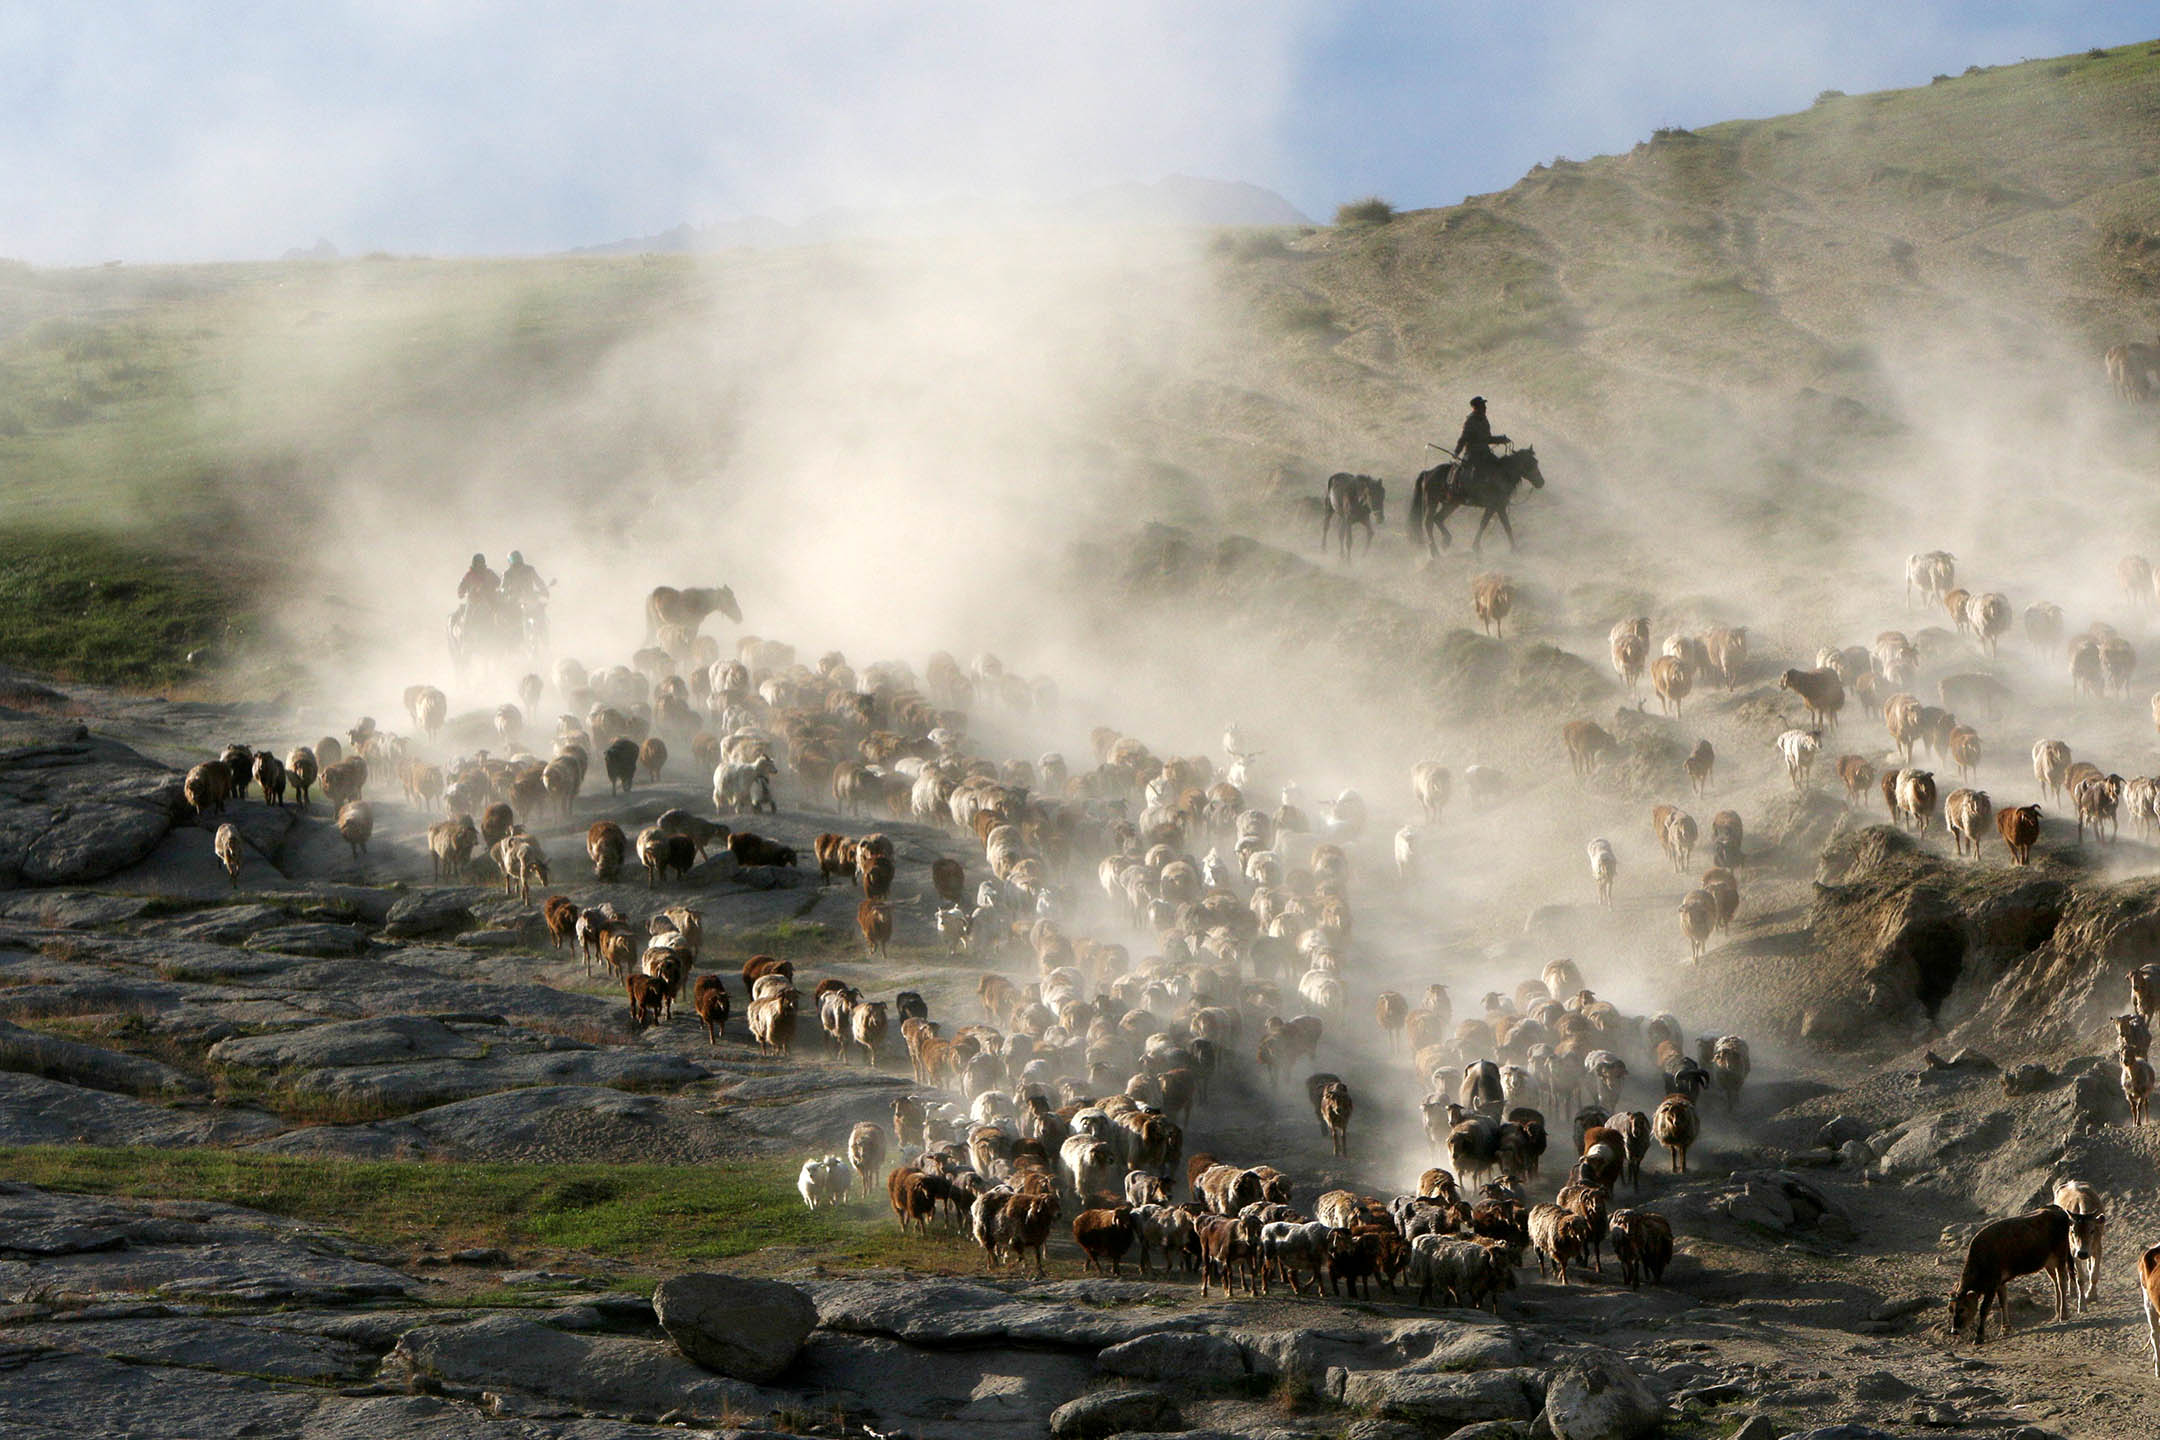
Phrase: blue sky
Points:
(232, 130)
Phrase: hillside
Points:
(1814, 298)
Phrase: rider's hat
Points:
(517, 557)
(1478, 401)
(478, 561)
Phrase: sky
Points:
(227, 130)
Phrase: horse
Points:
(1353, 500)
(1441, 491)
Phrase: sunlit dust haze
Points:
(1762, 363)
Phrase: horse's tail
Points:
(1416, 508)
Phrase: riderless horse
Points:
(1441, 491)
(1353, 500)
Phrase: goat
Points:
(1676, 1125)
(1630, 650)
(1819, 690)
(1604, 869)
(1669, 678)
(1492, 595)
(1698, 765)
(2019, 827)
(1587, 743)
(1916, 799)
(710, 1001)
(1698, 917)
(1643, 1244)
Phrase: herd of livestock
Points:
(1073, 1092)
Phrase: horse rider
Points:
(480, 586)
(1474, 446)
(521, 583)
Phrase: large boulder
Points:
(1600, 1397)
(431, 912)
(1432, 1399)
(376, 1041)
(1113, 1412)
(80, 810)
(743, 1328)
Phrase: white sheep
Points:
(823, 1182)
(1798, 748)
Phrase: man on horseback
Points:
(521, 583)
(479, 585)
(1474, 446)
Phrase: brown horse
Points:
(1353, 500)
(1441, 491)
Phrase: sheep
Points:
(823, 1182)
(711, 1004)
(772, 1022)
(1798, 749)
(1669, 678)
(1724, 888)
(1630, 650)
(620, 761)
(1492, 595)
(2088, 674)
(1643, 1244)
(1821, 691)
(1727, 650)
(2019, 827)
(345, 781)
(522, 862)
(2097, 798)
(1287, 1247)
(1587, 744)
(1604, 869)
(2137, 1086)
(1728, 840)
(1902, 718)
(1916, 799)
(355, 825)
(2148, 1273)
(1857, 775)
(1675, 1124)
(1104, 1234)
(1934, 572)
(1391, 1009)
(2001, 1251)
(1968, 812)
(2135, 573)
(450, 847)
(1698, 917)
(1560, 1236)
(1335, 1107)
(605, 846)
(2145, 991)
(302, 770)
(206, 787)
(660, 853)
(227, 847)
(1676, 833)
(1989, 618)
(1964, 750)
(749, 849)
(875, 919)
(1729, 1066)
(1406, 854)
(1896, 658)
(1698, 765)
(745, 785)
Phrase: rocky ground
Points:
(340, 1009)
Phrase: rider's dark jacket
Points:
(1477, 438)
(522, 583)
(479, 584)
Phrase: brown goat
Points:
(2019, 827)
(875, 919)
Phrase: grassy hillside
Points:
(1738, 299)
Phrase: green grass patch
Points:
(102, 609)
(663, 1214)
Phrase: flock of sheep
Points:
(1074, 1091)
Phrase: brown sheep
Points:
(949, 878)
(345, 781)
(710, 1001)
(496, 823)
(605, 846)
(660, 853)
(1727, 647)
(2019, 827)
(835, 856)
(749, 849)
(646, 994)
(226, 845)
(1676, 833)
(652, 758)
(1669, 677)
(301, 769)
(1587, 744)
(450, 847)
(1335, 1107)
(1492, 595)
(1391, 1010)
(1104, 1234)
(270, 775)
(355, 824)
(1857, 775)
(1698, 765)
(1676, 1125)
(772, 1023)
(1642, 1242)
(1698, 917)
(1820, 690)
(1728, 840)
(561, 914)
(875, 918)
(207, 786)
